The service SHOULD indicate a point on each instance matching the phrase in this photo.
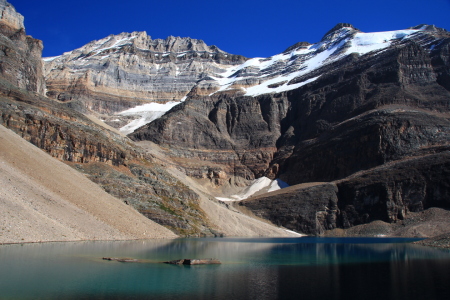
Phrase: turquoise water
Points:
(284, 268)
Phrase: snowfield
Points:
(145, 114)
(258, 186)
(272, 71)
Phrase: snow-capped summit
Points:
(300, 64)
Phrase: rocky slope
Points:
(366, 115)
(41, 200)
(106, 157)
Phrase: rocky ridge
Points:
(121, 71)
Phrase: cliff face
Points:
(360, 111)
(108, 159)
(20, 55)
(122, 71)
(388, 193)
(340, 111)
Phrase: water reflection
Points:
(251, 269)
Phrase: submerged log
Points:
(189, 261)
(121, 259)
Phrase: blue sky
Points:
(246, 27)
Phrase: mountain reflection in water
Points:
(285, 268)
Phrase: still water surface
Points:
(265, 268)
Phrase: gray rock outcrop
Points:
(10, 16)
(20, 55)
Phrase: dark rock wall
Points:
(386, 193)
(238, 133)
(363, 111)
(371, 111)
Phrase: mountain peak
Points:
(296, 46)
(427, 27)
(10, 16)
(339, 26)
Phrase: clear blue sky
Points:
(247, 27)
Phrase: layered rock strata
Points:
(124, 70)
(351, 112)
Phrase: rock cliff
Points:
(389, 193)
(360, 111)
(20, 55)
(107, 158)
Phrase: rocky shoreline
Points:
(440, 241)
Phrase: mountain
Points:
(41, 198)
(129, 69)
(318, 91)
(322, 112)
(357, 124)
(134, 179)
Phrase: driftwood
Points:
(185, 261)
(121, 259)
(189, 261)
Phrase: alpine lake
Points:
(252, 268)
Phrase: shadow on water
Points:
(306, 268)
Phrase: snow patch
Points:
(296, 233)
(52, 58)
(260, 185)
(366, 42)
(145, 114)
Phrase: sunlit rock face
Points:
(125, 70)
(10, 16)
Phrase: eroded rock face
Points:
(122, 71)
(361, 111)
(107, 158)
(20, 55)
(387, 193)
(237, 134)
